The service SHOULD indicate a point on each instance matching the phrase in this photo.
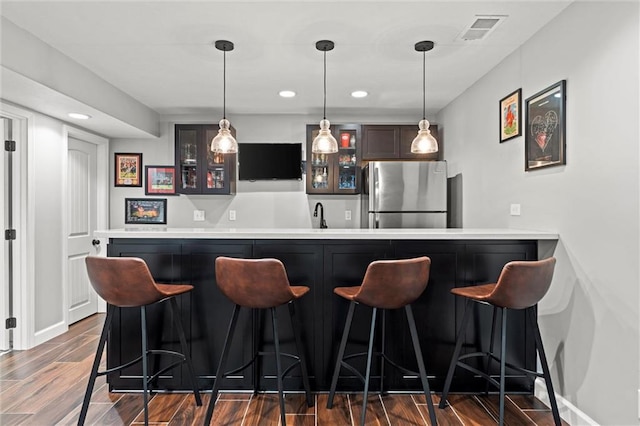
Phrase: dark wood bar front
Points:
(322, 265)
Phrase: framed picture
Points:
(128, 169)
(145, 211)
(545, 133)
(510, 116)
(160, 180)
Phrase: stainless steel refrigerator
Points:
(404, 194)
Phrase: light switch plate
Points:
(232, 215)
(198, 215)
(347, 215)
(515, 209)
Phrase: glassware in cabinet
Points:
(334, 173)
(202, 171)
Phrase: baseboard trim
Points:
(50, 332)
(568, 412)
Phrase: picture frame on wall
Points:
(511, 116)
(145, 211)
(128, 169)
(160, 180)
(545, 137)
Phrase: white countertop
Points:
(327, 234)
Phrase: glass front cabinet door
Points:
(199, 170)
(337, 173)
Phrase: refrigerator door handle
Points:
(374, 189)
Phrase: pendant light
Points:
(224, 142)
(324, 143)
(424, 143)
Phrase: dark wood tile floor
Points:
(45, 386)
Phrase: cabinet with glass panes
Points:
(200, 171)
(337, 173)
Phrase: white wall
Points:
(589, 319)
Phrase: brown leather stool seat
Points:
(259, 284)
(126, 282)
(521, 285)
(387, 284)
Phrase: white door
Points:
(81, 222)
(4, 261)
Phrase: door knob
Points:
(95, 242)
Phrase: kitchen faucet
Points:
(323, 223)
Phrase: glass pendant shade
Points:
(224, 142)
(424, 143)
(324, 143)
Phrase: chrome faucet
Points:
(323, 223)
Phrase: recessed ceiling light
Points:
(359, 94)
(287, 93)
(79, 116)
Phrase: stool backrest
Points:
(253, 283)
(522, 283)
(122, 281)
(392, 284)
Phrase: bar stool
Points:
(259, 284)
(387, 284)
(125, 282)
(521, 285)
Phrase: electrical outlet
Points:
(515, 209)
(347, 215)
(232, 215)
(198, 215)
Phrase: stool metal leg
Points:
(421, 369)
(223, 362)
(301, 355)
(276, 343)
(545, 367)
(145, 364)
(343, 345)
(487, 364)
(96, 364)
(258, 343)
(382, 347)
(175, 312)
(503, 357)
(367, 377)
(456, 352)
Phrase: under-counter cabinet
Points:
(322, 265)
(393, 142)
(200, 171)
(337, 173)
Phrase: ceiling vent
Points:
(481, 27)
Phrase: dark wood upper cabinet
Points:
(337, 173)
(393, 142)
(200, 171)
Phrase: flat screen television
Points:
(269, 161)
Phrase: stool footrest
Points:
(349, 367)
(497, 359)
(256, 355)
(164, 370)
(137, 360)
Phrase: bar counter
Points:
(321, 259)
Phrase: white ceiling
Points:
(161, 52)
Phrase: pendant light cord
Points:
(224, 84)
(324, 107)
(424, 86)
